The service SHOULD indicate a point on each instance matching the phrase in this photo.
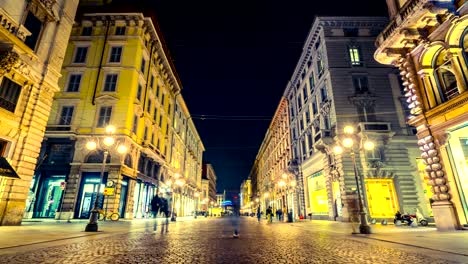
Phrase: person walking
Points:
(269, 214)
(155, 205)
(259, 213)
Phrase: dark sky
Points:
(234, 58)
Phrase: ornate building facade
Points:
(116, 72)
(246, 203)
(337, 83)
(34, 36)
(272, 161)
(428, 42)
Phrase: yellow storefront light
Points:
(91, 145)
(122, 149)
(337, 150)
(109, 141)
(348, 130)
(110, 129)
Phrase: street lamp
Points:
(348, 143)
(107, 143)
(285, 183)
(178, 184)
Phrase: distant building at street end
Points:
(246, 203)
(33, 40)
(335, 84)
(428, 42)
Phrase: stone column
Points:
(442, 207)
(410, 82)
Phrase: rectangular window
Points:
(74, 83)
(314, 108)
(301, 124)
(111, 83)
(120, 31)
(355, 56)
(162, 99)
(311, 81)
(155, 114)
(307, 116)
(150, 104)
(299, 102)
(86, 31)
(105, 113)
(152, 81)
(143, 65)
(320, 66)
(80, 55)
(116, 54)
(145, 133)
(160, 120)
(305, 93)
(360, 84)
(157, 90)
(310, 142)
(9, 94)
(135, 124)
(169, 109)
(139, 91)
(323, 93)
(66, 115)
(34, 26)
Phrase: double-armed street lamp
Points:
(285, 184)
(348, 142)
(107, 143)
(178, 183)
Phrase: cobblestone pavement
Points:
(210, 241)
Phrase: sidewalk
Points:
(48, 230)
(455, 242)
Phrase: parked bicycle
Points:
(103, 215)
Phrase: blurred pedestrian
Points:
(259, 213)
(269, 214)
(155, 205)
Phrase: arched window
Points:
(156, 170)
(97, 157)
(148, 169)
(141, 163)
(443, 73)
(128, 161)
(464, 45)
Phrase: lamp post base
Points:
(92, 225)
(364, 227)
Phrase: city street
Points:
(209, 240)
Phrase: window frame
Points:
(70, 76)
(107, 116)
(354, 50)
(112, 55)
(69, 115)
(105, 83)
(75, 54)
(16, 95)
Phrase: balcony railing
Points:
(399, 18)
(12, 26)
(57, 128)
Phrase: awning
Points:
(6, 170)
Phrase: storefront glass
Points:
(381, 198)
(49, 196)
(458, 153)
(123, 197)
(318, 197)
(88, 191)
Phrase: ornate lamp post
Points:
(348, 143)
(178, 184)
(107, 143)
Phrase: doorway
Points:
(381, 198)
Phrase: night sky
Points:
(234, 59)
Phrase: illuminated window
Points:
(355, 56)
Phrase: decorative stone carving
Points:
(8, 59)
(408, 76)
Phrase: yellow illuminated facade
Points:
(428, 42)
(33, 39)
(246, 197)
(116, 72)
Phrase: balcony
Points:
(374, 127)
(12, 27)
(58, 128)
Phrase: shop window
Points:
(34, 25)
(80, 55)
(9, 94)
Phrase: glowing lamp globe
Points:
(122, 149)
(348, 130)
(348, 142)
(337, 150)
(369, 145)
(91, 145)
(110, 129)
(109, 141)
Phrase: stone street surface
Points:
(209, 240)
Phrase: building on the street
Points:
(428, 42)
(116, 72)
(246, 203)
(34, 36)
(209, 174)
(337, 83)
(277, 187)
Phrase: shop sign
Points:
(6, 170)
(109, 191)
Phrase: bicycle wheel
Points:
(115, 217)
(101, 216)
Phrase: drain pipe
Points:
(100, 61)
(147, 78)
